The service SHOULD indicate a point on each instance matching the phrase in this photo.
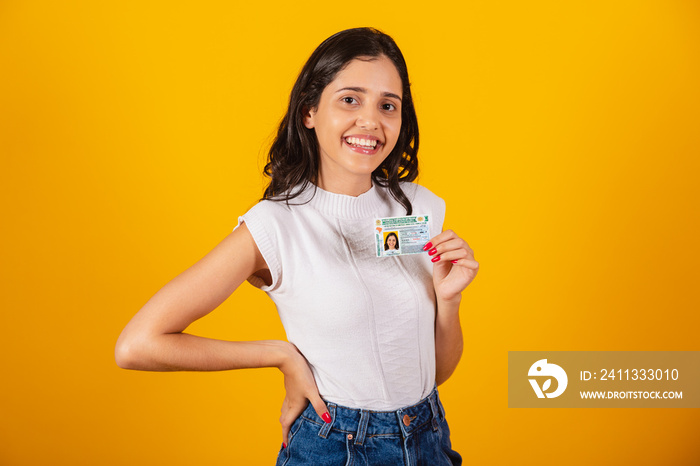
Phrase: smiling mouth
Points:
(361, 143)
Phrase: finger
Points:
(435, 240)
(320, 408)
(455, 244)
(285, 436)
(452, 253)
(468, 263)
(446, 235)
(286, 420)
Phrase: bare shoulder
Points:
(239, 244)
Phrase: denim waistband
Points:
(362, 423)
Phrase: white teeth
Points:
(366, 143)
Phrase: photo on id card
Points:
(396, 236)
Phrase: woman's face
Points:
(357, 121)
(391, 241)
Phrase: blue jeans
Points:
(411, 436)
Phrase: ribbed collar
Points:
(343, 206)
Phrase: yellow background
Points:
(563, 136)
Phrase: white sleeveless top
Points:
(366, 324)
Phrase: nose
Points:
(368, 119)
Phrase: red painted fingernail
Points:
(432, 251)
(454, 261)
(284, 445)
(326, 417)
(427, 246)
(435, 259)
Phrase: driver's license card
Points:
(397, 236)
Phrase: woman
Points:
(362, 361)
(391, 242)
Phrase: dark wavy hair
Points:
(386, 241)
(293, 159)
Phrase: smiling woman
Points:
(363, 360)
(357, 123)
(391, 243)
(294, 159)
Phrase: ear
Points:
(309, 118)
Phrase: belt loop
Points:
(326, 427)
(362, 427)
(434, 409)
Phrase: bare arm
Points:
(448, 339)
(454, 270)
(153, 339)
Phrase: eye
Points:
(388, 107)
(349, 100)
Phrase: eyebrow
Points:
(362, 90)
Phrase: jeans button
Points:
(349, 436)
(406, 420)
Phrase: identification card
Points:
(397, 236)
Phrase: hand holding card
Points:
(455, 266)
